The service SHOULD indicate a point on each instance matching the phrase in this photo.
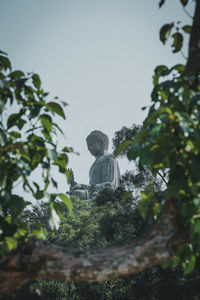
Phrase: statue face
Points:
(95, 148)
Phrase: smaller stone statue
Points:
(104, 171)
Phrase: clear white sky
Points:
(98, 55)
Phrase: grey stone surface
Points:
(103, 172)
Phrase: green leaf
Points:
(16, 204)
(68, 174)
(20, 123)
(58, 209)
(146, 157)
(67, 149)
(127, 194)
(194, 168)
(66, 201)
(156, 209)
(15, 120)
(11, 243)
(190, 265)
(161, 3)
(3, 138)
(189, 146)
(55, 107)
(22, 228)
(180, 68)
(46, 134)
(12, 120)
(36, 185)
(61, 161)
(165, 32)
(134, 152)
(187, 29)
(54, 183)
(46, 122)
(36, 140)
(58, 127)
(122, 147)
(196, 200)
(156, 130)
(36, 81)
(143, 204)
(64, 103)
(39, 233)
(144, 107)
(16, 74)
(178, 42)
(159, 71)
(46, 184)
(15, 134)
(2, 52)
(177, 185)
(197, 226)
(39, 194)
(5, 63)
(184, 2)
(4, 84)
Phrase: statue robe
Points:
(105, 172)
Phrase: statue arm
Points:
(110, 174)
(80, 186)
(72, 182)
(76, 189)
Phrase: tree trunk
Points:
(193, 62)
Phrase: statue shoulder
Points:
(108, 157)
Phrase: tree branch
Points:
(162, 177)
(39, 259)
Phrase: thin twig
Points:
(18, 184)
(163, 178)
(187, 13)
(184, 56)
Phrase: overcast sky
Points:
(98, 55)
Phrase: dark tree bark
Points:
(193, 62)
(191, 287)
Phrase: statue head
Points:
(97, 143)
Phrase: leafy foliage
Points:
(174, 30)
(165, 32)
(169, 142)
(122, 140)
(101, 224)
(27, 142)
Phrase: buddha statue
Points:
(105, 170)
